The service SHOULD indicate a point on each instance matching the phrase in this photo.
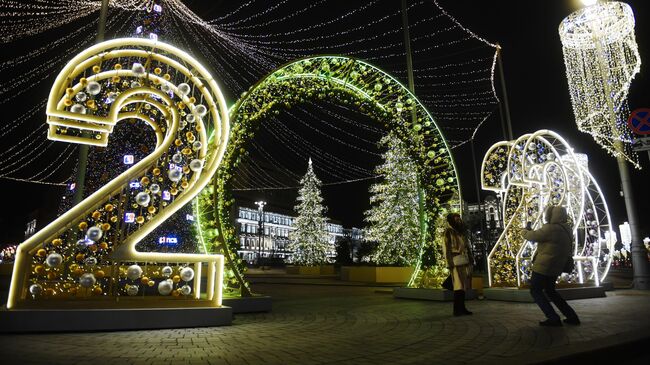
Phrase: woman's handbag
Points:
(448, 283)
(461, 259)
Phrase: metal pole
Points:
(80, 180)
(409, 69)
(506, 105)
(478, 197)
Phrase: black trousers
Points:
(542, 284)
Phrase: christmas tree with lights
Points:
(393, 220)
(309, 239)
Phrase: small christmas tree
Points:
(393, 216)
(309, 240)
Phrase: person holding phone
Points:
(554, 242)
(457, 252)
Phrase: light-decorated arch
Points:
(371, 91)
(87, 258)
(536, 170)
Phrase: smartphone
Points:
(529, 225)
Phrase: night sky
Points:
(537, 93)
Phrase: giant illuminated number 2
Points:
(87, 256)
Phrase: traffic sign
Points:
(639, 121)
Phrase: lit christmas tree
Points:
(309, 240)
(393, 220)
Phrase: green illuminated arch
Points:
(374, 93)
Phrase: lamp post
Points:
(601, 58)
(260, 228)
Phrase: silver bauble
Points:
(94, 233)
(175, 175)
(87, 280)
(81, 97)
(132, 290)
(138, 70)
(177, 158)
(142, 199)
(187, 274)
(186, 290)
(90, 261)
(78, 109)
(167, 271)
(197, 145)
(196, 165)
(134, 272)
(165, 287)
(35, 290)
(184, 89)
(155, 188)
(93, 88)
(201, 110)
(53, 260)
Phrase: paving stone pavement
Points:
(320, 324)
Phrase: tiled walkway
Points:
(324, 324)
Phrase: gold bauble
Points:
(103, 245)
(96, 69)
(151, 209)
(67, 102)
(39, 269)
(69, 91)
(156, 171)
(192, 100)
(176, 278)
(97, 290)
(139, 219)
(79, 257)
(50, 292)
(83, 226)
(167, 77)
(145, 280)
(144, 180)
(118, 66)
(114, 219)
(51, 275)
(115, 79)
(151, 283)
(184, 184)
(178, 142)
(99, 274)
(83, 81)
(96, 215)
(173, 191)
(57, 242)
(41, 252)
(157, 70)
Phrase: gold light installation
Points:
(86, 258)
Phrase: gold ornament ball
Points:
(83, 226)
(139, 219)
(96, 69)
(41, 252)
(57, 242)
(151, 209)
(96, 215)
(176, 278)
(99, 274)
(105, 227)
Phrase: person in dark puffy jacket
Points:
(554, 247)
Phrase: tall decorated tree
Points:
(393, 219)
(309, 239)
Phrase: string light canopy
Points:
(535, 171)
(453, 67)
(602, 57)
(360, 85)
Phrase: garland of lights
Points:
(88, 254)
(373, 92)
(602, 57)
(530, 173)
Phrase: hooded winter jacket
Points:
(554, 242)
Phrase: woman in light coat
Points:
(554, 242)
(457, 244)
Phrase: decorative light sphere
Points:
(588, 2)
(93, 88)
(165, 287)
(201, 110)
(165, 87)
(142, 199)
(90, 261)
(81, 97)
(167, 271)
(187, 273)
(111, 96)
(138, 70)
(186, 290)
(184, 89)
(87, 280)
(196, 165)
(197, 145)
(94, 233)
(190, 118)
(175, 175)
(177, 158)
(53, 260)
(155, 188)
(132, 290)
(35, 290)
(134, 272)
(83, 243)
(78, 109)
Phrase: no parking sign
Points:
(639, 121)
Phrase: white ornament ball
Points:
(94, 233)
(93, 88)
(184, 89)
(83, 243)
(177, 158)
(132, 290)
(35, 290)
(190, 118)
(155, 188)
(87, 280)
(165, 87)
(201, 110)
(175, 175)
(197, 145)
(110, 97)
(167, 271)
(138, 69)
(78, 109)
(187, 274)
(196, 165)
(142, 199)
(81, 97)
(134, 272)
(186, 290)
(54, 260)
(165, 287)
(90, 261)
(135, 84)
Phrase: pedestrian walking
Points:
(554, 250)
(459, 261)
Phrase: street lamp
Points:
(601, 58)
(260, 227)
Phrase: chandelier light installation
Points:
(87, 257)
(532, 172)
(602, 58)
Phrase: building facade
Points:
(266, 234)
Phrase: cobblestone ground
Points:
(317, 324)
